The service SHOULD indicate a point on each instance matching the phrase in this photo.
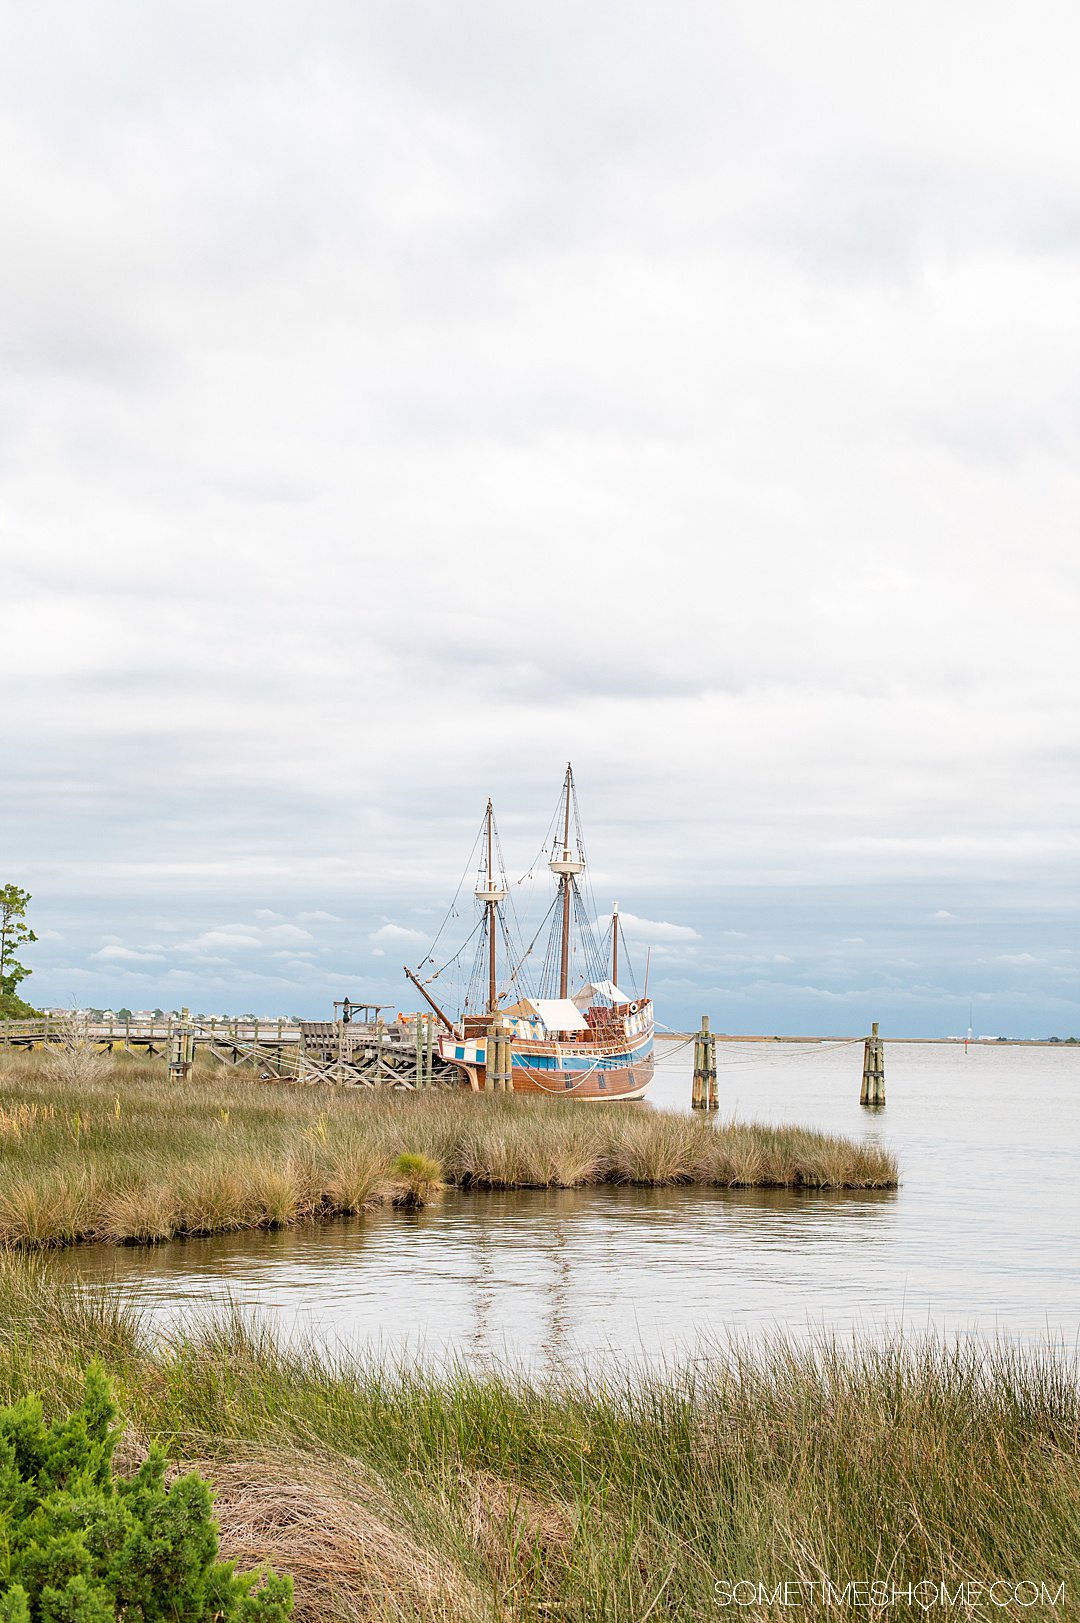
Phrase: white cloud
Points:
(639, 929)
(397, 934)
(943, 913)
(318, 916)
(117, 954)
(285, 933)
(244, 940)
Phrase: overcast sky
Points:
(399, 399)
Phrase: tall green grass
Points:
(392, 1492)
(125, 1155)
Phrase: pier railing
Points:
(144, 1033)
(376, 1054)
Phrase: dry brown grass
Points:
(21, 1119)
(522, 1538)
(330, 1523)
(74, 1059)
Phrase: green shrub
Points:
(417, 1179)
(77, 1546)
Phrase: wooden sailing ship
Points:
(580, 1036)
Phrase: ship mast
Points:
(566, 865)
(615, 944)
(491, 894)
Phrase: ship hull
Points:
(594, 1071)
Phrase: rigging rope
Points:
(429, 957)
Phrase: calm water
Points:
(983, 1237)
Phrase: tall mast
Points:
(566, 865)
(615, 944)
(564, 958)
(493, 996)
(491, 894)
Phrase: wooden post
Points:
(873, 1077)
(180, 1049)
(705, 1095)
(699, 1099)
(429, 1048)
(419, 1053)
(491, 1059)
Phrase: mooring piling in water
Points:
(699, 1069)
(873, 1075)
(705, 1094)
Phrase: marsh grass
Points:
(392, 1492)
(417, 1179)
(124, 1155)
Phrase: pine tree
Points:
(14, 933)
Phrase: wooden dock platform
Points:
(374, 1054)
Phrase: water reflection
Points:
(984, 1234)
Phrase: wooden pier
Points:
(351, 1053)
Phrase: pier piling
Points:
(498, 1075)
(181, 1048)
(491, 1059)
(873, 1077)
(705, 1094)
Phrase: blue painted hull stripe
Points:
(584, 1062)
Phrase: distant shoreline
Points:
(945, 1042)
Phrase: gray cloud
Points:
(398, 400)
